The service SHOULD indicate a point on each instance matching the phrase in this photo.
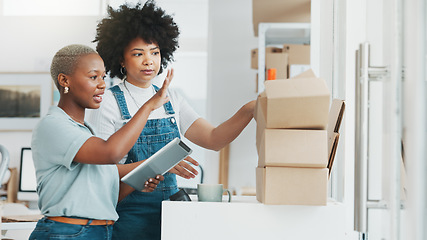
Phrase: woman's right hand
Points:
(161, 96)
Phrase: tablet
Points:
(159, 163)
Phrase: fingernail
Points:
(146, 183)
(157, 177)
(150, 180)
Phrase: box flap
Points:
(307, 74)
(335, 118)
(300, 87)
(332, 146)
(335, 115)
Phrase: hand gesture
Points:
(161, 96)
(185, 170)
(152, 183)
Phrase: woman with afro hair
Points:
(136, 44)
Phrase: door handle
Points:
(364, 74)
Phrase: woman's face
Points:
(86, 83)
(142, 62)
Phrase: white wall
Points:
(27, 44)
(231, 83)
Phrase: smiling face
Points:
(86, 83)
(142, 62)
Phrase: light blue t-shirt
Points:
(67, 188)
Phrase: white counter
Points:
(245, 218)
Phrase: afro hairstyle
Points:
(123, 25)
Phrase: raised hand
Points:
(161, 96)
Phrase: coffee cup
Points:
(211, 192)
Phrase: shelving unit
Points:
(270, 34)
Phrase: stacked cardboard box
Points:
(289, 61)
(292, 141)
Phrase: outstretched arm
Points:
(98, 151)
(202, 133)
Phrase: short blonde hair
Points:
(66, 59)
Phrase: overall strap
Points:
(168, 106)
(121, 101)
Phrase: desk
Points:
(18, 226)
(17, 230)
(246, 218)
(24, 224)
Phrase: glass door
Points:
(414, 220)
(390, 158)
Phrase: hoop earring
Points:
(66, 89)
(123, 70)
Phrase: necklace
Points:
(134, 100)
(75, 119)
(82, 123)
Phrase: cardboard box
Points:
(268, 50)
(298, 58)
(301, 103)
(292, 186)
(288, 148)
(271, 11)
(297, 53)
(279, 61)
(336, 114)
(274, 58)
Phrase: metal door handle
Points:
(364, 74)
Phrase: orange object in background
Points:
(271, 74)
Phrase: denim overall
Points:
(140, 212)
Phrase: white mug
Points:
(211, 192)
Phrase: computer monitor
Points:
(27, 179)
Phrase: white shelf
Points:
(270, 34)
(245, 218)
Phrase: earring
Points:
(123, 70)
(66, 89)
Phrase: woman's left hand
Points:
(185, 170)
(152, 183)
